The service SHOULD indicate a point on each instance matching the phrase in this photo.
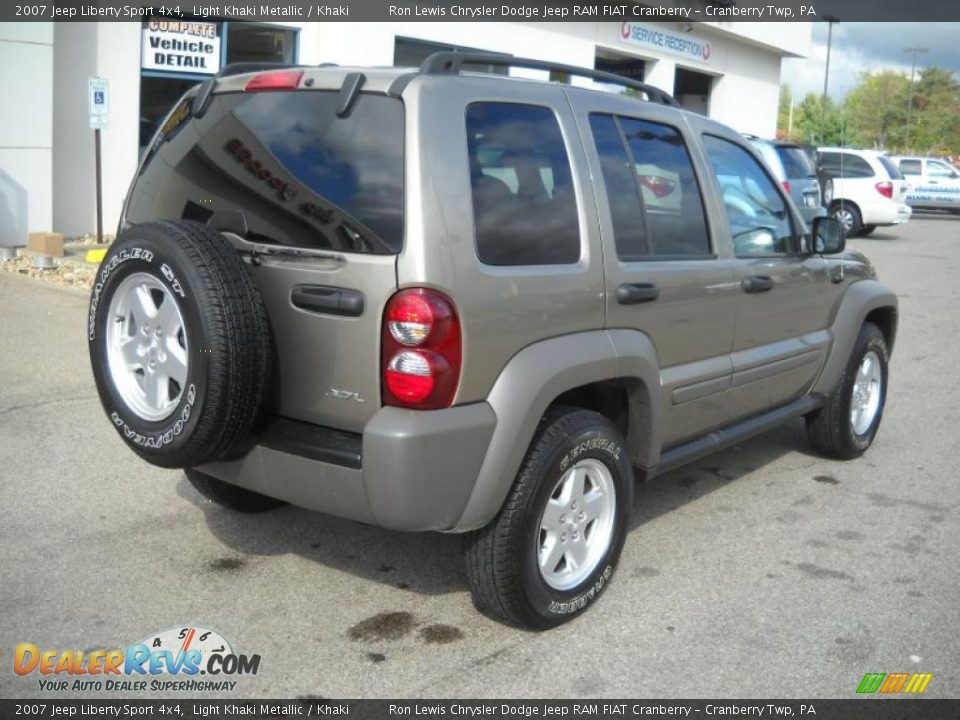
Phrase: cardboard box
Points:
(46, 243)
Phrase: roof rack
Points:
(451, 63)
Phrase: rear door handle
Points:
(757, 283)
(635, 293)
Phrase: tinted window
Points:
(652, 189)
(845, 165)
(911, 167)
(758, 216)
(796, 163)
(524, 206)
(302, 176)
(621, 186)
(890, 167)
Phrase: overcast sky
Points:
(873, 46)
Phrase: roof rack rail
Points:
(451, 63)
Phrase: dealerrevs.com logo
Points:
(190, 659)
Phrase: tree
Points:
(935, 121)
(877, 109)
(817, 124)
(784, 126)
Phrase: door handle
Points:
(757, 283)
(635, 293)
(327, 300)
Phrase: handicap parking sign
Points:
(99, 103)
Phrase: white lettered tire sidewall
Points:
(601, 443)
(144, 255)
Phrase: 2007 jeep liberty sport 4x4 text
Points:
(447, 300)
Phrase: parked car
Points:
(793, 167)
(864, 190)
(933, 184)
(436, 300)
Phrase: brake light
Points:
(274, 80)
(786, 185)
(885, 188)
(420, 350)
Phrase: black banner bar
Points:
(864, 708)
(486, 10)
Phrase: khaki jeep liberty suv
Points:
(440, 299)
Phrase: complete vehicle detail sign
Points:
(183, 47)
(688, 47)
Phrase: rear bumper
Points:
(409, 470)
(886, 213)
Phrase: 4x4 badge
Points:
(344, 395)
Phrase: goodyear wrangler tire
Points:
(552, 549)
(179, 343)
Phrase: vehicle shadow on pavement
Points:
(432, 563)
(670, 491)
(425, 563)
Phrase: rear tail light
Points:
(786, 185)
(274, 80)
(885, 188)
(420, 350)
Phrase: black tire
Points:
(224, 330)
(867, 230)
(502, 558)
(848, 215)
(830, 428)
(230, 496)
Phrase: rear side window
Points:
(524, 206)
(846, 165)
(890, 167)
(655, 201)
(911, 167)
(796, 163)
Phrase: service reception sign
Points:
(181, 47)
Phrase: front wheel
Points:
(554, 546)
(846, 425)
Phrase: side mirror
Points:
(829, 236)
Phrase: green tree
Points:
(817, 124)
(784, 126)
(876, 109)
(935, 121)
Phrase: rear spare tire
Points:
(179, 343)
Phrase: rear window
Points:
(302, 176)
(524, 206)
(890, 167)
(796, 163)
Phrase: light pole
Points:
(913, 69)
(826, 74)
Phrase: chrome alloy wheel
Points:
(845, 217)
(146, 347)
(867, 391)
(576, 526)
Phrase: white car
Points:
(865, 189)
(932, 184)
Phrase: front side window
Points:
(758, 215)
(655, 201)
(940, 169)
(524, 205)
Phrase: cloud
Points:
(870, 46)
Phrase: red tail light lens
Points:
(420, 350)
(274, 80)
(885, 188)
(786, 185)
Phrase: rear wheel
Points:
(230, 496)
(848, 216)
(552, 549)
(847, 423)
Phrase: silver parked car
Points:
(438, 300)
(793, 167)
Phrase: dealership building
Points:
(729, 71)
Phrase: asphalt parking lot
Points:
(763, 571)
